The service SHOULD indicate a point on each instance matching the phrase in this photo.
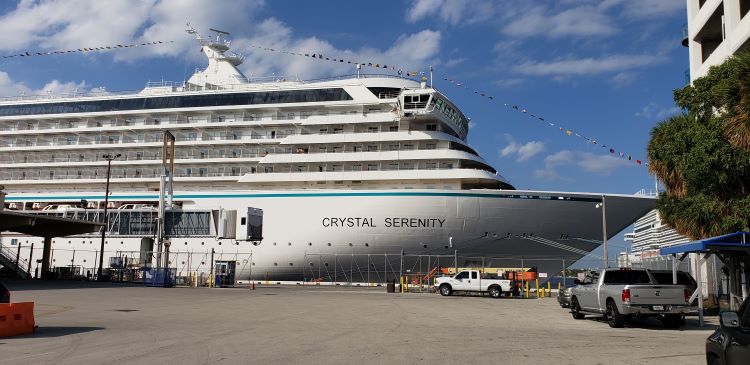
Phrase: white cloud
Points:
(451, 11)
(408, 51)
(522, 152)
(66, 24)
(588, 65)
(455, 62)
(653, 110)
(9, 88)
(646, 8)
(589, 162)
(540, 20)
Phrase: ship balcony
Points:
(371, 175)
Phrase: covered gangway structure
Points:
(46, 227)
(734, 252)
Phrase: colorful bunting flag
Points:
(85, 49)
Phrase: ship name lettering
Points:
(348, 222)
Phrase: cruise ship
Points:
(342, 169)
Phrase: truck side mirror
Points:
(729, 319)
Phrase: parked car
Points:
(624, 293)
(563, 297)
(730, 343)
(137, 206)
(60, 208)
(473, 281)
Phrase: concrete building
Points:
(716, 29)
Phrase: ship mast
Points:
(222, 63)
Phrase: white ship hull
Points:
(310, 233)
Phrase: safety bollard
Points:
(527, 290)
(536, 283)
(549, 289)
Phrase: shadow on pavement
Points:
(22, 285)
(52, 331)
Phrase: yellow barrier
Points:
(527, 290)
(536, 282)
(549, 289)
(16, 319)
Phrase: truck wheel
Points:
(445, 290)
(614, 318)
(575, 309)
(495, 291)
(671, 321)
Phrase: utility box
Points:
(224, 272)
(225, 222)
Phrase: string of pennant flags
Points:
(86, 49)
(319, 56)
(549, 123)
(568, 132)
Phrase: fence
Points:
(194, 268)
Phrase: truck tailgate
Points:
(657, 294)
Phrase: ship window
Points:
(182, 101)
(393, 128)
(432, 127)
(372, 129)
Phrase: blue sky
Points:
(602, 68)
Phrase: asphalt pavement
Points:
(90, 323)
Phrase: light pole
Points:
(603, 205)
(109, 159)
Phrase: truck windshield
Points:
(626, 277)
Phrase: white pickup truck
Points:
(473, 281)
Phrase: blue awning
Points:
(738, 241)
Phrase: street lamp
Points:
(603, 205)
(109, 159)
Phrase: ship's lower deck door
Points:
(224, 272)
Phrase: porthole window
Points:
(350, 244)
(237, 243)
(203, 262)
(53, 260)
(219, 243)
(122, 243)
(326, 264)
(291, 264)
(274, 243)
(69, 242)
(253, 264)
(183, 262)
(309, 243)
(311, 264)
(84, 260)
(290, 243)
(367, 245)
(424, 246)
(185, 243)
(329, 243)
(203, 243)
(275, 264)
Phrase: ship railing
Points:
(253, 82)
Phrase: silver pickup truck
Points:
(621, 293)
